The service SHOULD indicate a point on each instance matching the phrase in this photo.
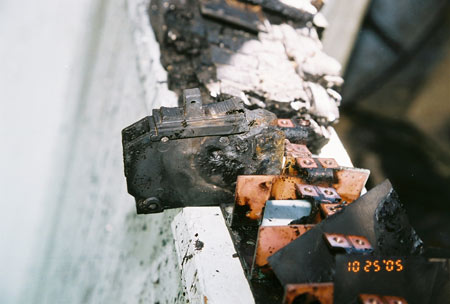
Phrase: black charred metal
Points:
(239, 15)
(224, 49)
(308, 259)
(191, 156)
(302, 133)
(317, 175)
(284, 10)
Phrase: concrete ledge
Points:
(210, 271)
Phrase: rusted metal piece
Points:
(312, 171)
(320, 194)
(360, 243)
(252, 192)
(240, 14)
(330, 209)
(373, 215)
(326, 172)
(307, 191)
(350, 182)
(348, 243)
(322, 293)
(329, 194)
(297, 150)
(273, 238)
(307, 163)
(377, 299)
(283, 187)
(299, 132)
(337, 241)
(328, 162)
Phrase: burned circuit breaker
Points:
(192, 155)
(299, 224)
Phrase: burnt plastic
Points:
(192, 155)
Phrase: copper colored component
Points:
(296, 150)
(285, 123)
(337, 241)
(318, 4)
(394, 300)
(328, 162)
(350, 183)
(359, 242)
(253, 191)
(310, 293)
(369, 299)
(296, 155)
(329, 193)
(330, 209)
(347, 242)
(377, 299)
(301, 149)
(306, 163)
(307, 190)
(245, 6)
(273, 238)
(283, 187)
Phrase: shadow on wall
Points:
(418, 170)
(395, 118)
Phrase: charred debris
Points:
(248, 137)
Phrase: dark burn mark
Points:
(186, 258)
(199, 245)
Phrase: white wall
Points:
(39, 45)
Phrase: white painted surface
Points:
(40, 43)
(205, 254)
(335, 149)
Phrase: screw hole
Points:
(337, 239)
(307, 162)
(359, 242)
